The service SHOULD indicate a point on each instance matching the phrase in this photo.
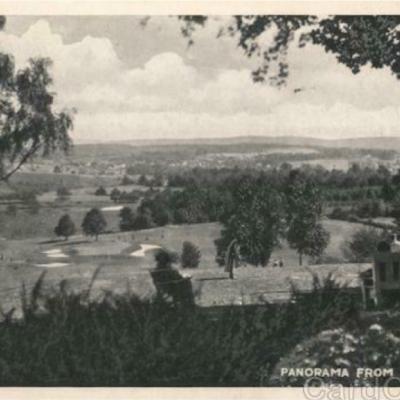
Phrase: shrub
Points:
(363, 244)
(65, 227)
(115, 195)
(191, 255)
(338, 213)
(77, 339)
(340, 348)
(62, 191)
(94, 223)
(127, 218)
(100, 191)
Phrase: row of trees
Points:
(262, 217)
(255, 216)
(355, 177)
(256, 219)
(93, 224)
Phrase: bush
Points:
(340, 348)
(74, 339)
(143, 220)
(127, 218)
(338, 213)
(115, 195)
(65, 227)
(363, 244)
(126, 180)
(94, 223)
(100, 191)
(191, 255)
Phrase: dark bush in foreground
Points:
(67, 340)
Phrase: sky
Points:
(129, 82)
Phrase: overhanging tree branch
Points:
(24, 158)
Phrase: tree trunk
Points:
(231, 258)
(97, 237)
(300, 258)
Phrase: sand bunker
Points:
(143, 248)
(52, 265)
(112, 208)
(55, 253)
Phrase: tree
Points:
(100, 191)
(29, 124)
(115, 195)
(158, 179)
(191, 255)
(94, 223)
(356, 41)
(143, 220)
(127, 219)
(165, 259)
(304, 209)
(127, 181)
(363, 244)
(254, 227)
(11, 210)
(143, 180)
(62, 191)
(396, 210)
(388, 192)
(65, 227)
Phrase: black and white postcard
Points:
(200, 199)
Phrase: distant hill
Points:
(381, 143)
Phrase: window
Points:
(382, 271)
(396, 270)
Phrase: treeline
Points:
(191, 205)
(253, 213)
(354, 177)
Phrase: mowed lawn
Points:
(22, 261)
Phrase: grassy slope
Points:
(120, 270)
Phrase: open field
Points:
(77, 259)
(41, 221)
(334, 163)
(49, 181)
(87, 194)
(25, 224)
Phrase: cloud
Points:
(169, 95)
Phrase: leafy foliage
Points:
(191, 255)
(101, 191)
(115, 195)
(341, 348)
(71, 339)
(256, 224)
(363, 245)
(94, 223)
(143, 220)
(127, 219)
(356, 41)
(65, 227)
(28, 122)
(304, 209)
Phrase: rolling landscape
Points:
(199, 201)
(30, 245)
